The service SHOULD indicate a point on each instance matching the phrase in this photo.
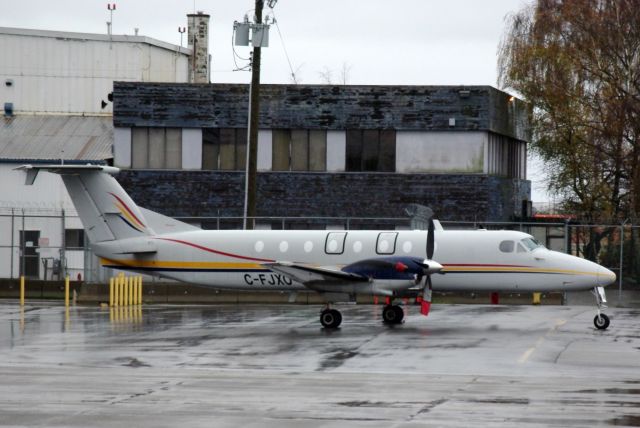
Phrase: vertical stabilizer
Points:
(106, 210)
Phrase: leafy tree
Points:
(577, 62)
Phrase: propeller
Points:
(430, 267)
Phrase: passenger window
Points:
(507, 246)
(335, 243)
(386, 243)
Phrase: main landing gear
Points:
(392, 314)
(601, 321)
(330, 318)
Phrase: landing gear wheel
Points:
(601, 321)
(330, 318)
(392, 314)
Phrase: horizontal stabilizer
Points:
(128, 246)
(32, 170)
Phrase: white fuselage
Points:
(472, 260)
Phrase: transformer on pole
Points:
(259, 32)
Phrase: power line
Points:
(284, 47)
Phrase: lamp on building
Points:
(181, 30)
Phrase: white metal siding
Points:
(64, 75)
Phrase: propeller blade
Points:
(430, 240)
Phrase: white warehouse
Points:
(55, 96)
(57, 72)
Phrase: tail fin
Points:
(105, 209)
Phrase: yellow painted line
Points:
(525, 356)
(523, 359)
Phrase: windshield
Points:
(530, 244)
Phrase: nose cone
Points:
(432, 266)
(605, 277)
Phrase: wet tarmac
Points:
(229, 366)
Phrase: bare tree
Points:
(326, 76)
(345, 73)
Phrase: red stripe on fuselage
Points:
(482, 265)
(211, 250)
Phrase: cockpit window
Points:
(530, 244)
(521, 248)
(507, 246)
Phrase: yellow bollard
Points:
(111, 302)
(22, 291)
(136, 288)
(536, 298)
(125, 291)
(66, 292)
(132, 285)
(121, 289)
(140, 290)
(116, 292)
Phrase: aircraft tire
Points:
(601, 322)
(330, 318)
(392, 314)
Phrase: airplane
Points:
(338, 264)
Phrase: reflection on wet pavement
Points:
(274, 365)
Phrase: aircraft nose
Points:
(605, 276)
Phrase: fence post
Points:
(621, 259)
(12, 239)
(63, 247)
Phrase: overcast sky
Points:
(401, 42)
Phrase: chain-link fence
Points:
(50, 244)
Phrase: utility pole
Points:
(252, 132)
(260, 38)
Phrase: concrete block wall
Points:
(470, 197)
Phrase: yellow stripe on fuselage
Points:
(179, 264)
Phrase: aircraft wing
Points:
(311, 275)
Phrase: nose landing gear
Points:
(601, 321)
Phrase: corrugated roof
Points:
(56, 137)
(115, 38)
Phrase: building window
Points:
(73, 239)
(224, 148)
(507, 157)
(156, 148)
(299, 150)
(371, 150)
